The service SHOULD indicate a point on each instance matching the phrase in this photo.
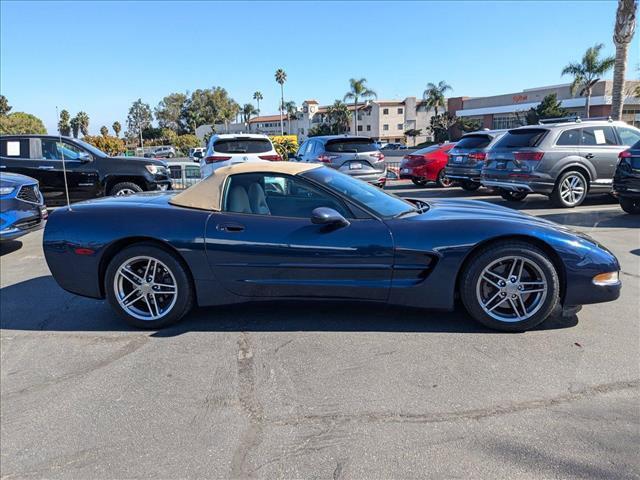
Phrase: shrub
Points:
(109, 144)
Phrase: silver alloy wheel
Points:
(444, 180)
(511, 289)
(145, 288)
(125, 191)
(572, 189)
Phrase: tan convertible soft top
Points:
(207, 194)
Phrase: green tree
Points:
(21, 123)
(186, 141)
(257, 96)
(467, 125)
(227, 113)
(291, 110)
(63, 123)
(107, 143)
(548, 108)
(75, 126)
(248, 111)
(284, 146)
(170, 112)
(358, 90)
(588, 72)
(413, 133)
(623, 33)
(204, 107)
(440, 125)
(104, 131)
(139, 118)
(5, 108)
(281, 77)
(83, 122)
(116, 128)
(338, 115)
(434, 95)
(319, 130)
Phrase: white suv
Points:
(227, 149)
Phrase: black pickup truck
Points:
(91, 173)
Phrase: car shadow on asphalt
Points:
(57, 310)
(9, 246)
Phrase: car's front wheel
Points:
(469, 186)
(630, 205)
(510, 286)
(419, 182)
(148, 286)
(125, 188)
(513, 196)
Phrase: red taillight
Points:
(271, 158)
(534, 156)
(215, 159)
(625, 154)
(478, 156)
(378, 155)
(324, 158)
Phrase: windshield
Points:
(93, 150)
(365, 194)
(525, 137)
(469, 142)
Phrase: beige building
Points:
(381, 120)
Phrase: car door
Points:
(263, 243)
(600, 146)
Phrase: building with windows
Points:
(508, 110)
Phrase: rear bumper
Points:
(375, 176)
(530, 184)
(468, 174)
(626, 187)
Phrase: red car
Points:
(427, 165)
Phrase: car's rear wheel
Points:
(148, 286)
(510, 286)
(125, 188)
(443, 181)
(513, 196)
(469, 186)
(420, 182)
(570, 189)
(630, 205)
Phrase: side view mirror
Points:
(328, 216)
(84, 157)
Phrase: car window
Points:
(18, 148)
(473, 141)
(569, 137)
(242, 145)
(277, 195)
(301, 150)
(54, 150)
(598, 136)
(350, 145)
(628, 136)
(430, 149)
(309, 148)
(522, 137)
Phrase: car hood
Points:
(14, 179)
(140, 160)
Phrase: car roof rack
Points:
(572, 118)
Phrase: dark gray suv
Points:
(355, 156)
(562, 160)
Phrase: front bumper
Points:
(26, 218)
(159, 185)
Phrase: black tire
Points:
(443, 181)
(171, 155)
(557, 195)
(469, 186)
(185, 293)
(469, 285)
(125, 188)
(419, 182)
(630, 205)
(512, 196)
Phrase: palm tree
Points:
(75, 126)
(104, 131)
(116, 128)
(281, 77)
(588, 72)
(83, 121)
(228, 113)
(338, 114)
(291, 110)
(248, 111)
(434, 95)
(257, 96)
(358, 90)
(63, 124)
(622, 35)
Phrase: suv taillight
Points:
(523, 156)
(324, 158)
(624, 154)
(215, 159)
(478, 156)
(271, 158)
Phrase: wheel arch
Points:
(577, 167)
(541, 244)
(115, 179)
(113, 248)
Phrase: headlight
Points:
(155, 169)
(609, 278)
(6, 190)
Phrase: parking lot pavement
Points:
(320, 390)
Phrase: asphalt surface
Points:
(320, 390)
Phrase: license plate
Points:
(355, 166)
(458, 159)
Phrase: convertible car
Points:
(280, 230)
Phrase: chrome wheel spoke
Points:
(131, 302)
(130, 275)
(496, 305)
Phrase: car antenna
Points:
(64, 166)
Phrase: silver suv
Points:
(355, 156)
(563, 160)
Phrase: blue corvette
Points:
(280, 230)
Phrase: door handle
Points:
(589, 156)
(230, 227)
(45, 167)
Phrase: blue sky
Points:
(100, 57)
